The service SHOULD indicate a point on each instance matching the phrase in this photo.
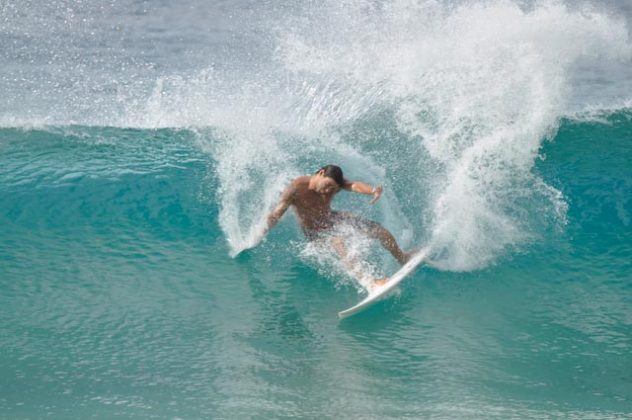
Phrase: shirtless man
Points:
(311, 197)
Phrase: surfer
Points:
(311, 197)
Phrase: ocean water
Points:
(143, 143)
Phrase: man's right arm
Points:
(287, 199)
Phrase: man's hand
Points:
(377, 193)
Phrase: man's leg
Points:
(341, 250)
(388, 241)
(376, 231)
(351, 263)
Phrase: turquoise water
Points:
(142, 145)
(119, 297)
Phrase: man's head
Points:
(328, 179)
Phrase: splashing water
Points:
(447, 104)
(470, 91)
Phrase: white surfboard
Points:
(380, 292)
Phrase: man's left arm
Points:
(362, 188)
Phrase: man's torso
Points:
(313, 209)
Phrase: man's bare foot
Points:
(378, 282)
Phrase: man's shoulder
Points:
(300, 182)
(297, 185)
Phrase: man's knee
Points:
(336, 241)
(338, 245)
(384, 236)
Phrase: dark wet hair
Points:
(334, 172)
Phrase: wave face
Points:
(142, 146)
(118, 295)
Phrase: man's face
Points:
(325, 185)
